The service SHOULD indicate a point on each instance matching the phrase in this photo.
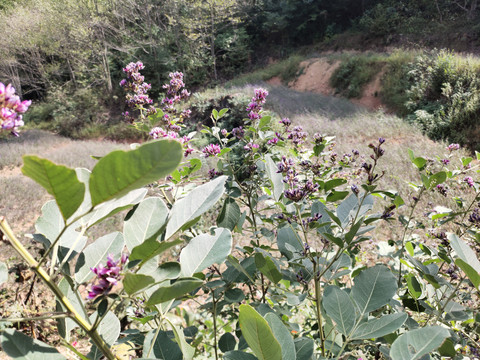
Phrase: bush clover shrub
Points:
(294, 285)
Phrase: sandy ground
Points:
(315, 78)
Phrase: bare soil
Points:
(315, 78)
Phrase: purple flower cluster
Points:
(475, 216)
(297, 136)
(175, 94)
(453, 147)
(211, 150)
(286, 122)
(296, 191)
(212, 173)
(255, 106)
(107, 276)
(469, 181)
(442, 189)
(137, 89)
(11, 108)
(238, 132)
(251, 147)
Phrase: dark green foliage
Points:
(353, 74)
(444, 97)
(397, 81)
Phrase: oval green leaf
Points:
(22, 347)
(123, 171)
(258, 334)
(198, 201)
(379, 327)
(415, 344)
(146, 222)
(373, 288)
(177, 289)
(340, 308)
(60, 181)
(205, 250)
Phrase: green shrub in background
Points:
(437, 90)
(444, 97)
(353, 74)
(396, 81)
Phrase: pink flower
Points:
(469, 181)
(251, 146)
(273, 141)
(107, 276)
(211, 150)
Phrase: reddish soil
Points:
(315, 77)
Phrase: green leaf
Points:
(188, 351)
(234, 296)
(3, 272)
(464, 251)
(222, 112)
(447, 349)
(258, 334)
(114, 206)
(133, 283)
(50, 224)
(330, 184)
(163, 348)
(151, 248)
(268, 268)
(109, 327)
(349, 207)
(286, 236)
(205, 250)
(230, 214)
(120, 172)
(227, 342)
(353, 231)
(304, 348)
(275, 177)
(398, 201)
(177, 289)
(198, 201)
(146, 222)
(336, 240)
(414, 286)
(376, 328)
(169, 270)
(96, 253)
(415, 344)
(373, 288)
(436, 179)
(339, 307)
(20, 346)
(409, 247)
(283, 336)
(472, 274)
(60, 181)
(411, 155)
(264, 122)
(238, 355)
(336, 195)
(419, 162)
